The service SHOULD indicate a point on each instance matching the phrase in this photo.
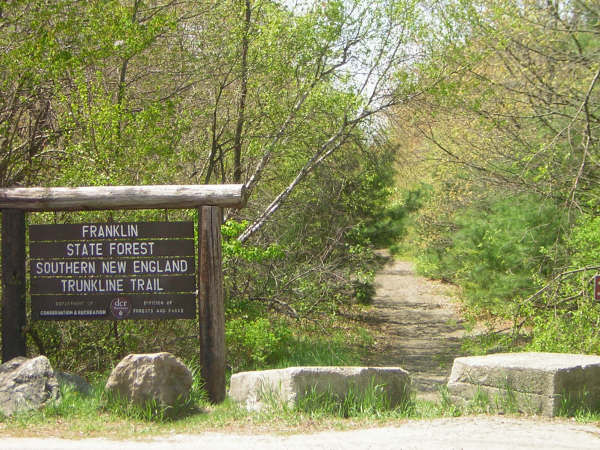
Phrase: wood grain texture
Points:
(13, 284)
(211, 302)
(123, 197)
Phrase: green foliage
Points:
(390, 223)
(490, 342)
(584, 241)
(498, 248)
(94, 348)
(122, 93)
(314, 256)
(257, 343)
(503, 116)
(364, 291)
(567, 317)
(567, 330)
(260, 343)
(232, 248)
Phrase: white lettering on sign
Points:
(64, 268)
(112, 266)
(84, 249)
(61, 312)
(145, 284)
(158, 302)
(130, 248)
(160, 266)
(111, 230)
(92, 285)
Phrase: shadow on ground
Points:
(418, 325)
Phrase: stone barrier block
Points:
(287, 386)
(538, 382)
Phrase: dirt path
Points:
(420, 329)
(474, 433)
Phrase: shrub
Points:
(567, 318)
(499, 248)
(256, 343)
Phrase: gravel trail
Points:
(420, 327)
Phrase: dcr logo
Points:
(120, 308)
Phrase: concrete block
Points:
(255, 390)
(538, 382)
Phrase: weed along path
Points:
(420, 330)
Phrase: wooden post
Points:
(13, 284)
(211, 308)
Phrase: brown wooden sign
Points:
(111, 307)
(111, 249)
(99, 231)
(134, 270)
(134, 262)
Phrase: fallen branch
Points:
(290, 309)
(558, 278)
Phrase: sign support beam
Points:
(211, 308)
(14, 319)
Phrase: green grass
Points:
(95, 415)
(371, 402)
(261, 344)
(579, 406)
(333, 351)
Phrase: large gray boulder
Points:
(73, 382)
(142, 378)
(535, 383)
(255, 390)
(26, 384)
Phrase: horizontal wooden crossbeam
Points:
(123, 197)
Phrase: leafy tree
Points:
(285, 101)
(31, 59)
(513, 114)
(516, 104)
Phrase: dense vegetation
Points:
(507, 143)
(485, 113)
(285, 101)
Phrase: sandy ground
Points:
(460, 433)
(420, 324)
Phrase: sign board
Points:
(136, 270)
